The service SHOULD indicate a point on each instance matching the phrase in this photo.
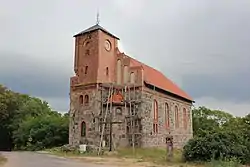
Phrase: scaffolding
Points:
(129, 100)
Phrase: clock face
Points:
(107, 45)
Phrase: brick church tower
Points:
(94, 62)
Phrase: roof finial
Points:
(97, 18)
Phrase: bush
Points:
(220, 145)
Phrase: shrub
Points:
(225, 145)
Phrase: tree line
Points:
(28, 123)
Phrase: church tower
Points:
(95, 55)
(94, 62)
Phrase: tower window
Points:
(81, 99)
(86, 69)
(86, 99)
(107, 71)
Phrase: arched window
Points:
(119, 70)
(155, 123)
(83, 129)
(107, 71)
(176, 117)
(132, 77)
(86, 99)
(184, 118)
(125, 74)
(81, 99)
(167, 116)
(188, 118)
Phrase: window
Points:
(118, 110)
(83, 129)
(184, 118)
(81, 99)
(167, 116)
(155, 123)
(176, 117)
(107, 71)
(86, 43)
(86, 99)
(132, 77)
(119, 70)
(125, 74)
(86, 69)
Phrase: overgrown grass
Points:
(2, 159)
(153, 155)
(233, 162)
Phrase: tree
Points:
(218, 134)
(24, 117)
(44, 131)
(209, 121)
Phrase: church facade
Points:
(119, 101)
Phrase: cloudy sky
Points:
(202, 45)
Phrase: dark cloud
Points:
(32, 77)
(232, 87)
(201, 45)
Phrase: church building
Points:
(116, 100)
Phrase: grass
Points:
(224, 163)
(2, 159)
(154, 156)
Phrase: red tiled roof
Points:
(156, 78)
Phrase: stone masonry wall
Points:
(90, 114)
(180, 135)
(87, 113)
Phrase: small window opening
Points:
(86, 69)
(81, 99)
(107, 71)
(86, 99)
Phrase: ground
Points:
(147, 157)
(31, 159)
(41, 159)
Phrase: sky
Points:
(202, 45)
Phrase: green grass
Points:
(155, 155)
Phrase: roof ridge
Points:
(93, 28)
(165, 84)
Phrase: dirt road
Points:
(30, 159)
